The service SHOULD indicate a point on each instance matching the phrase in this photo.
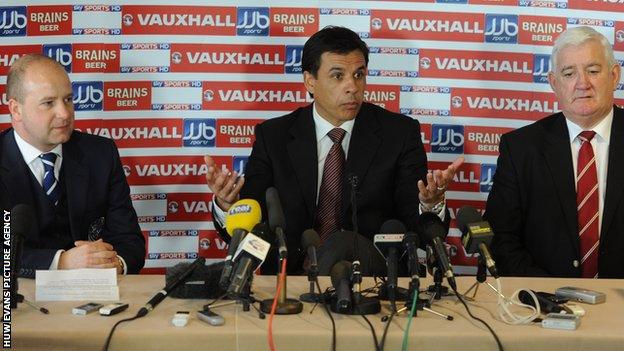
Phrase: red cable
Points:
(274, 306)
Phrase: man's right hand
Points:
(224, 184)
(89, 254)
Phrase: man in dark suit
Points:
(557, 204)
(73, 182)
(298, 153)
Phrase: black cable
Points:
(323, 302)
(142, 312)
(383, 338)
(500, 346)
(373, 332)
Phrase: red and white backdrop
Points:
(171, 83)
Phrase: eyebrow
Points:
(589, 65)
(341, 69)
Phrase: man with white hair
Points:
(557, 202)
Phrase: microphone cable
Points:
(375, 341)
(274, 306)
(141, 313)
(409, 321)
(385, 332)
(322, 296)
(510, 317)
(498, 343)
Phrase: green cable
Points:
(409, 320)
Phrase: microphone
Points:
(388, 245)
(340, 274)
(477, 236)
(21, 221)
(411, 243)
(276, 219)
(310, 241)
(250, 255)
(240, 219)
(434, 232)
(154, 301)
(356, 276)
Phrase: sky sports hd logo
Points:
(252, 21)
(199, 132)
(501, 29)
(293, 59)
(88, 96)
(487, 177)
(447, 138)
(13, 21)
(61, 53)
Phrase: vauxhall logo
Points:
(199, 132)
(252, 21)
(13, 21)
(88, 96)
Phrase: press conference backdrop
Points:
(171, 83)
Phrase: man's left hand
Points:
(437, 183)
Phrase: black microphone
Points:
(237, 237)
(21, 220)
(411, 243)
(388, 243)
(477, 236)
(154, 301)
(277, 222)
(340, 274)
(310, 241)
(434, 232)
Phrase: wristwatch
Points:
(436, 209)
(121, 264)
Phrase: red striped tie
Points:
(328, 209)
(587, 206)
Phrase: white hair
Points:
(577, 36)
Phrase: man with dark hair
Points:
(73, 182)
(308, 154)
(557, 204)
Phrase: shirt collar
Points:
(30, 153)
(602, 129)
(323, 127)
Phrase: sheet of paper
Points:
(77, 285)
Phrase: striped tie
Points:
(49, 182)
(587, 206)
(328, 210)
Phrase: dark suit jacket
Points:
(96, 187)
(532, 205)
(385, 152)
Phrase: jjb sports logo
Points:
(13, 21)
(252, 21)
(293, 59)
(61, 53)
(447, 138)
(501, 29)
(487, 177)
(239, 163)
(541, 67)
(88, 96)
(199, 132)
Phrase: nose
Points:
(65, 109)
(351, 86)
(583, 81)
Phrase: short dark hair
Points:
(338, 40)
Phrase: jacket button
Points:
(575, 263)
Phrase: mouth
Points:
(351, 105)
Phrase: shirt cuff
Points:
(218, 213)
(441, 213)
(125, 266)
(55, 260)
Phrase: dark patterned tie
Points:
(587, 206)
(49, 182)
(328, 210)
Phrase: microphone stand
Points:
(421, 304)
(284, 305)
(436, 288)
(481, 278)
(15, 261)
(311, 296)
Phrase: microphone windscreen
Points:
(430, 226)
(310, 238)
(243, 214)
(341, 245)
(341, 270)
(203, 283)
(274, 209)
(465, 215)
(21, 219)
(392, 226)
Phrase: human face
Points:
(339, 85)
(583, 82)
(45, 117)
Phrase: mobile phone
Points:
(561, 321)
(113, 308)
(210, 317)
(581, 294)
(86, 308)
(180, 318)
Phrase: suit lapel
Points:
(76, 182)
(302, 152)
(556, 150)
(362, 150)
(615, 171)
